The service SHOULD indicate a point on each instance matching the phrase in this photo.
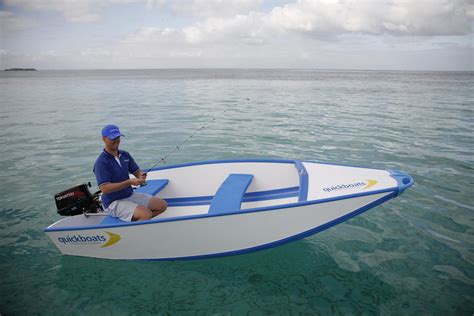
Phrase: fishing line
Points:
(180, 145)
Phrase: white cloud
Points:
(154, 34)
(398, 17)
(325, 19)
(243, 28)
(315, 17)
(234, 33)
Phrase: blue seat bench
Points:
(152, 187)
(228, 197)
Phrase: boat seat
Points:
(110, 220)
(152, 187)
(229, 195)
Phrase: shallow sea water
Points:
(411, 256)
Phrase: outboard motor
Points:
(78, 200)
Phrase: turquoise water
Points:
(413, 255)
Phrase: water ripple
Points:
(413, 255)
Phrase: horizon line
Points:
(241, 68)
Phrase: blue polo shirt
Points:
(107, 170)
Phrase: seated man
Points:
(112, 169)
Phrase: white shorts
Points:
(125, 208)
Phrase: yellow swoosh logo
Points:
(114, 238)
(370, 183)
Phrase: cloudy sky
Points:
(320, 34)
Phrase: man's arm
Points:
(113, 187)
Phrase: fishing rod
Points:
(180, 145)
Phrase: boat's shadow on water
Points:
(297, 277)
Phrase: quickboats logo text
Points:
(81, 239)
(361, 184)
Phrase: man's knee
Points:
(164, 204)
(157, 204)
(142, 213)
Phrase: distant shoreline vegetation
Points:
(20, 69)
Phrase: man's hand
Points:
(139, 174)
(137, 181)
(107, 188)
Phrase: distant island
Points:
(21, 69)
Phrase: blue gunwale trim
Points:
(303, 175)
(207, 215)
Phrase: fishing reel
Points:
(78, 200)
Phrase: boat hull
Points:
(219, 208)
(212, 236)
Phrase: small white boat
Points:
(228, 207)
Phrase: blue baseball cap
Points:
(111, 132)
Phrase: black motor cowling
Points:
(77, 200)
